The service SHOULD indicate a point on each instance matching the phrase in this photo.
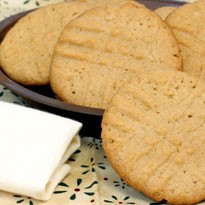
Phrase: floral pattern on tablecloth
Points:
(92, 179)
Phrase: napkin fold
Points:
(34, 148)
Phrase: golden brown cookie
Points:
(164, 11)
(153, 135)
(100, 50)
(27, 49)
(187, 23)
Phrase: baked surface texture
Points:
(27, 49)
(101, 49)
(153, 135)
(164, 11)
(190, 35)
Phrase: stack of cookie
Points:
(87, 49)
(27, 49)
(146, 72)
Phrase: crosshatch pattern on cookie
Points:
(155, 125)
(99, 51)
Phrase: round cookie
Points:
(27, 49)
(153, 135)
(101, 49)
(164, 11)
(190, 36)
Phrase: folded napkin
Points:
(34, 147)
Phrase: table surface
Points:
(92, 180)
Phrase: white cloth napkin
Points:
(34, 147)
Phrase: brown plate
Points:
(43, 98)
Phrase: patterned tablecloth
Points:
(92, 179)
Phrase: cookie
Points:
(27, 49)
(190, 36)
(153, 135)
(101, 49)
(164, 11)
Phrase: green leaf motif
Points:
(126, 198)
(85, 172)
(79, 181)
(95, 182)
(1, 94)
(25, 2)
(20, 201)
(114, 197)
(107, 201)
(89, 193)
(30, 202)
(63, 184)
(18, 196)
(101, 167)
(73, 197)
(77, 151)
(59, 192)
(84, 166)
